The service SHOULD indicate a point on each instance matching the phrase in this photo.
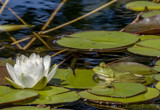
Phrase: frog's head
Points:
(103, 70)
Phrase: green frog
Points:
(109, 75)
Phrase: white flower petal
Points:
(47, 63)
(13, 74)
(51, 74)
(28, 68)
(39, 72)
(28, 81)
(32, 56)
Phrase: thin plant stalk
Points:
(53, 15)
(18, 41)
(134, 21)
(59, 52)
(66, 59)
(31, 41)
(18, 45)
(79, 18)
(4, 5)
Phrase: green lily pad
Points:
(149, 95)
(121, 90)
(142, 5)
(157, 66)
(26, 108)
(150, 13)
(157, 77)
(133, 67)
(157, 85)
(82, 79)
(14, 27)
(147, 47)
(55, 95)
(145, 37)
(98, 40)
(9, 95)
(143, 107)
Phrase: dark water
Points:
(37, 12)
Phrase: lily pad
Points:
(142, 5)
(9, 95)
(143, 107)
(133, 67)
(149, 95)
(146, 26)
(157, 77)
(150, 13)
(158, 85)
(82, 79)
(98, 40)
(147, 47)
(157, 66)
(121, 90)
(55, 95)
(145, 37)
(26, 108)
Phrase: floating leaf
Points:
(14, 27)
(157, 66)
(147, 47)
(145, 37)
(157, 77)
(82, 79)
(9, 95)
(133, 67)
(26, 108)
(143, 107)
(98, 40)
(142, 5)
(121, 90)
(55, 95)
(157, 85)
(145, 26)
(150, 13)
(149, 95)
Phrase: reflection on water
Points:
(37, 12)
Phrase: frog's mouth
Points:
(104, 77)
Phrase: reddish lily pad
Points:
(149, 26)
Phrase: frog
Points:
(107, 74)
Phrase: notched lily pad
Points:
(146, 26)
(98, 40)
(149, 47)
(142, 5)
(121, 90)
(10, 96)
(80, 79)
(55, 95)
(149, 95)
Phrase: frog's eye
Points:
(103, 65)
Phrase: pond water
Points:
(37, 12)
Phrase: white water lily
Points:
(31, 72)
